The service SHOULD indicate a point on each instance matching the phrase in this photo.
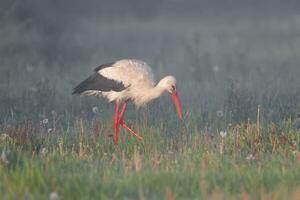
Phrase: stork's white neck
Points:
(148, 95)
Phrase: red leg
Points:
(122, 112)
(130, 130)
(116, 123)
(118, 120)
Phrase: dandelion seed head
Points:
(50, 130)
(250, 157)
(45, 121)
(95, 109)
(220, 113)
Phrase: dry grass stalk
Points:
(221, 144)
(82, 153)
(248, 127)
(61, 146)
(272, 136)
(137, 160)
(206, 136)
(203, 188)
(155, 161)
(244, 196)
(33, 153)
(169, 194)
(113, 158)
(196, 141)
(237, 138)
(298, 158)
(141, 193)
(258, 124)
(97, 131)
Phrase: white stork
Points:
(124, 80)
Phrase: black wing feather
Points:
(104, 66)
(99, 83)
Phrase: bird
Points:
(127, 80)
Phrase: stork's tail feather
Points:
(84, 85)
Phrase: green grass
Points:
(83, 163)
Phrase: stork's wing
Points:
(97, 82)
(128, 71)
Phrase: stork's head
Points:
(169, 84)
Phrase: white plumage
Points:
(137, 78)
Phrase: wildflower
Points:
(50, 130)
(250, 157)
(44, 151)
(45, 121)
(95, 109)
(220, 113)
(223, 133)
(54, 196)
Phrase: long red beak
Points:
(177, 104)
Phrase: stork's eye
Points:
(173, 88)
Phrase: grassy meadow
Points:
(238, 82)
(177, 160)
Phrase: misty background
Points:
(228, 56)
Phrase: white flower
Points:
(45, 121)
(95, 109)
(44, 151)
(50, 130)
(223, 133)
(250, 157)
(54, 196)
